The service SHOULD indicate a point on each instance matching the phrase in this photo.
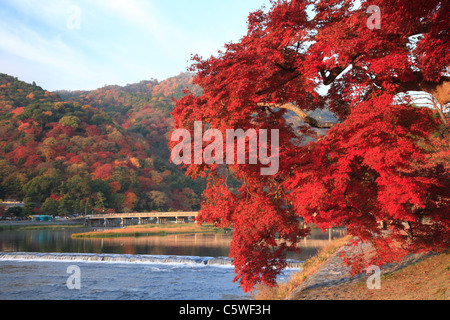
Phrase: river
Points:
(38, 265)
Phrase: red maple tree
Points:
(381, 169)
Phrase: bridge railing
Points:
(142, 215)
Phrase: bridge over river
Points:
(126, 219)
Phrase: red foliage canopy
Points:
(382, 169)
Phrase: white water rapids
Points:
(123, 258)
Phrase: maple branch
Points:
(302, 114)
(332, 75)
(329, 76)
(264, 91)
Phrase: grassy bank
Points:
(283, 290)
(151, 230)
(428, 279)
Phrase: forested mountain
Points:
(71, 152)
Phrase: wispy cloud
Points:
(141, 14)
(26, 43)
(118, 42)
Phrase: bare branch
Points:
(302, 114)
(329, 76)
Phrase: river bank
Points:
(326, 277)
(30, 225)
(417, 278)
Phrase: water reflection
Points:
(217, 245)
(180, 245)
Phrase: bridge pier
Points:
(146, 220)
(181, 220)
(111, 222)
(126, 222)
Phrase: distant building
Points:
(42, 218)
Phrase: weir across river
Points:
(127, 219)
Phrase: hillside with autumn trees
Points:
(104, 150)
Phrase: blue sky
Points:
(86, 44)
